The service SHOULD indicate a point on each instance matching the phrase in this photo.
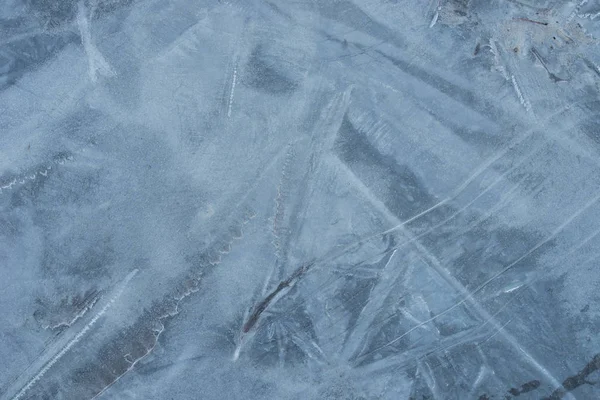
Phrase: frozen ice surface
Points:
(317, 199)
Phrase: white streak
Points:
(434, 19)
(97, 62)
(498, 60)
(233, 81)
(77, 337)
(522, 98)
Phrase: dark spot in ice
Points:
(525, 388)
(586, 308)
(579, 379)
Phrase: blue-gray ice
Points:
(299, 199)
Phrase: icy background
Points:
(396, 199)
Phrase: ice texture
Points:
(317, 199)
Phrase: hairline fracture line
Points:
(454, 194)
(412, 237)
(469, 297)
(77, 337)
(436, 265)
(335, 254)
(517, 291)
(457, 286)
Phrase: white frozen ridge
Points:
(63, 350)
(96, 61)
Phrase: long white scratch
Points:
(488, 281)
(338, 252)
(522, 98)
(498, 59)
(77, 337)
(459, 190)
(280, 198)
(500, 329)
(233, 81)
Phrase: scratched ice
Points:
(326, 199)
